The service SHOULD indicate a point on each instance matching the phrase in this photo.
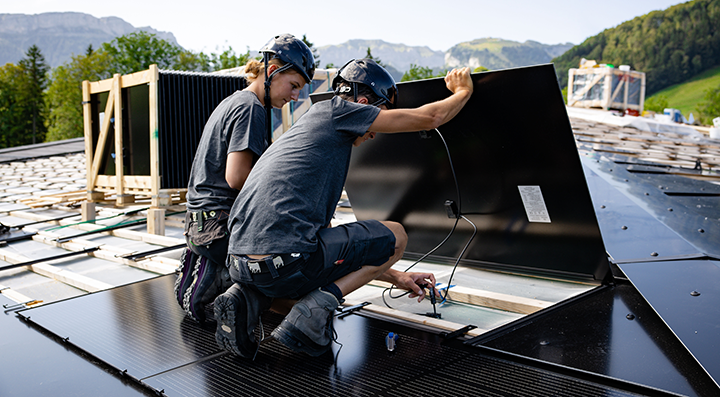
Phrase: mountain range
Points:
(60, 35)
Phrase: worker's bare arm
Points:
(237, 168)
(431, 115)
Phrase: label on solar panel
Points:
(534, 204)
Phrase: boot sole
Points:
(226, 314)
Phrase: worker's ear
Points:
(272, 68)
(362, 99)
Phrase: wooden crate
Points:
(606, 88)
(129, 187)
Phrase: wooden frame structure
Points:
(606, 88)
(124, 186)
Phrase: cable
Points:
(457, 219)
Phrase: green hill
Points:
(670, 46)
(688, 95)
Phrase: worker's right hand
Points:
(458, 80)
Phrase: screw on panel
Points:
(624, 228)
(670, 209)
(602, 206)
(630, 316)
(695, 293)
(544, 343)
(647, 194)
(701, 230)
(653, 254)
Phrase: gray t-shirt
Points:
(236, 124)
(294, 188)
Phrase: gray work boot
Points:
(308, 326)
(238, 312)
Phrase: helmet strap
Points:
(268, 104)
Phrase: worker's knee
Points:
(398, 230)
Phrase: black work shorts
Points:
(341, 250)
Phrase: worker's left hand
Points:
(413, 281)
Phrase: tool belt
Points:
(204, 227)
(268, 268)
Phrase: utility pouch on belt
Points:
(204, 227)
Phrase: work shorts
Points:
(209, 237)
(341, 250)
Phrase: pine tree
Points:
(36, 71)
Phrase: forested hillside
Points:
(670, 46)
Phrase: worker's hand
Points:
(413, 282)
(458, 80)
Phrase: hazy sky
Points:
(214, 25)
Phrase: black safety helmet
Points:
(295, 54)
(367, 72)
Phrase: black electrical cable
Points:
(457, 218)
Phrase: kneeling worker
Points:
(281, 243)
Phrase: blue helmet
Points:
(296, 55)
(367, 72)
(293, 52)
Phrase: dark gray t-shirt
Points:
(294, 188)
(236, 124)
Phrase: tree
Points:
(228, 59)
(21, 100)
(192, 62)
(369, 55)
(138, 50)
(36, 70)
(13, 117)
(710, 108)
(656, 104)
(670, 46)
(64, 94)
(313, 49)
(420, 73)
(480, 69)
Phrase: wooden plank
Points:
(102, 139)
(494, 300)
(87, 129)
(119, 166)
(65, 276)
(14, 295)
(129, 80)
(142, 182)
(154, 137)
(416, 318)
(155, 264)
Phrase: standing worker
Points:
(281, 242)
(236, 134)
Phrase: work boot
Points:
(308, 326)
(184, 275)
(200, 281)
(237, 312)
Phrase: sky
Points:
(214, 25)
